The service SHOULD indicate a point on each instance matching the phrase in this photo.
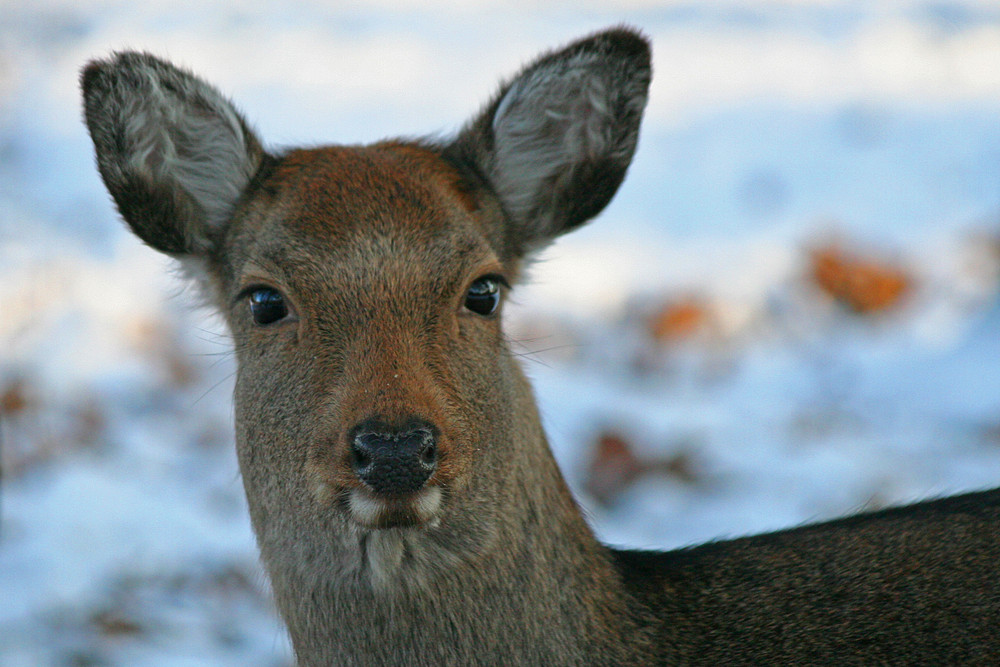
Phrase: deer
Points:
(404, 499)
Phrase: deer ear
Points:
(555, 143)
(174, 153)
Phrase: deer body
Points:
(405, 501)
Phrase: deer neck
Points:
(525, 576)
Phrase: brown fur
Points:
(373, 249)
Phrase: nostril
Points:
(426, 447)
(428, 455)
(360, 457)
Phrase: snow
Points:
(773, 128)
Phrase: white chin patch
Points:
(371, 511)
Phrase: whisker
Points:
(213, 388)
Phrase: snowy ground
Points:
(774, 128)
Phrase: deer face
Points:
(364, 293)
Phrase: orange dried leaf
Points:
(678, 320)
(863, 285)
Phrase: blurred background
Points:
(789, 312)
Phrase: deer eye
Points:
(483, 296)
(267, 305)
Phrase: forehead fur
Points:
(378, 187)
(392, 202)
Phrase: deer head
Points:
(363, 287)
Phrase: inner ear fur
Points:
(174, 153)
(554, 144)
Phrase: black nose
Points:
(394, 461)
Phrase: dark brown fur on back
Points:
(905, 586)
